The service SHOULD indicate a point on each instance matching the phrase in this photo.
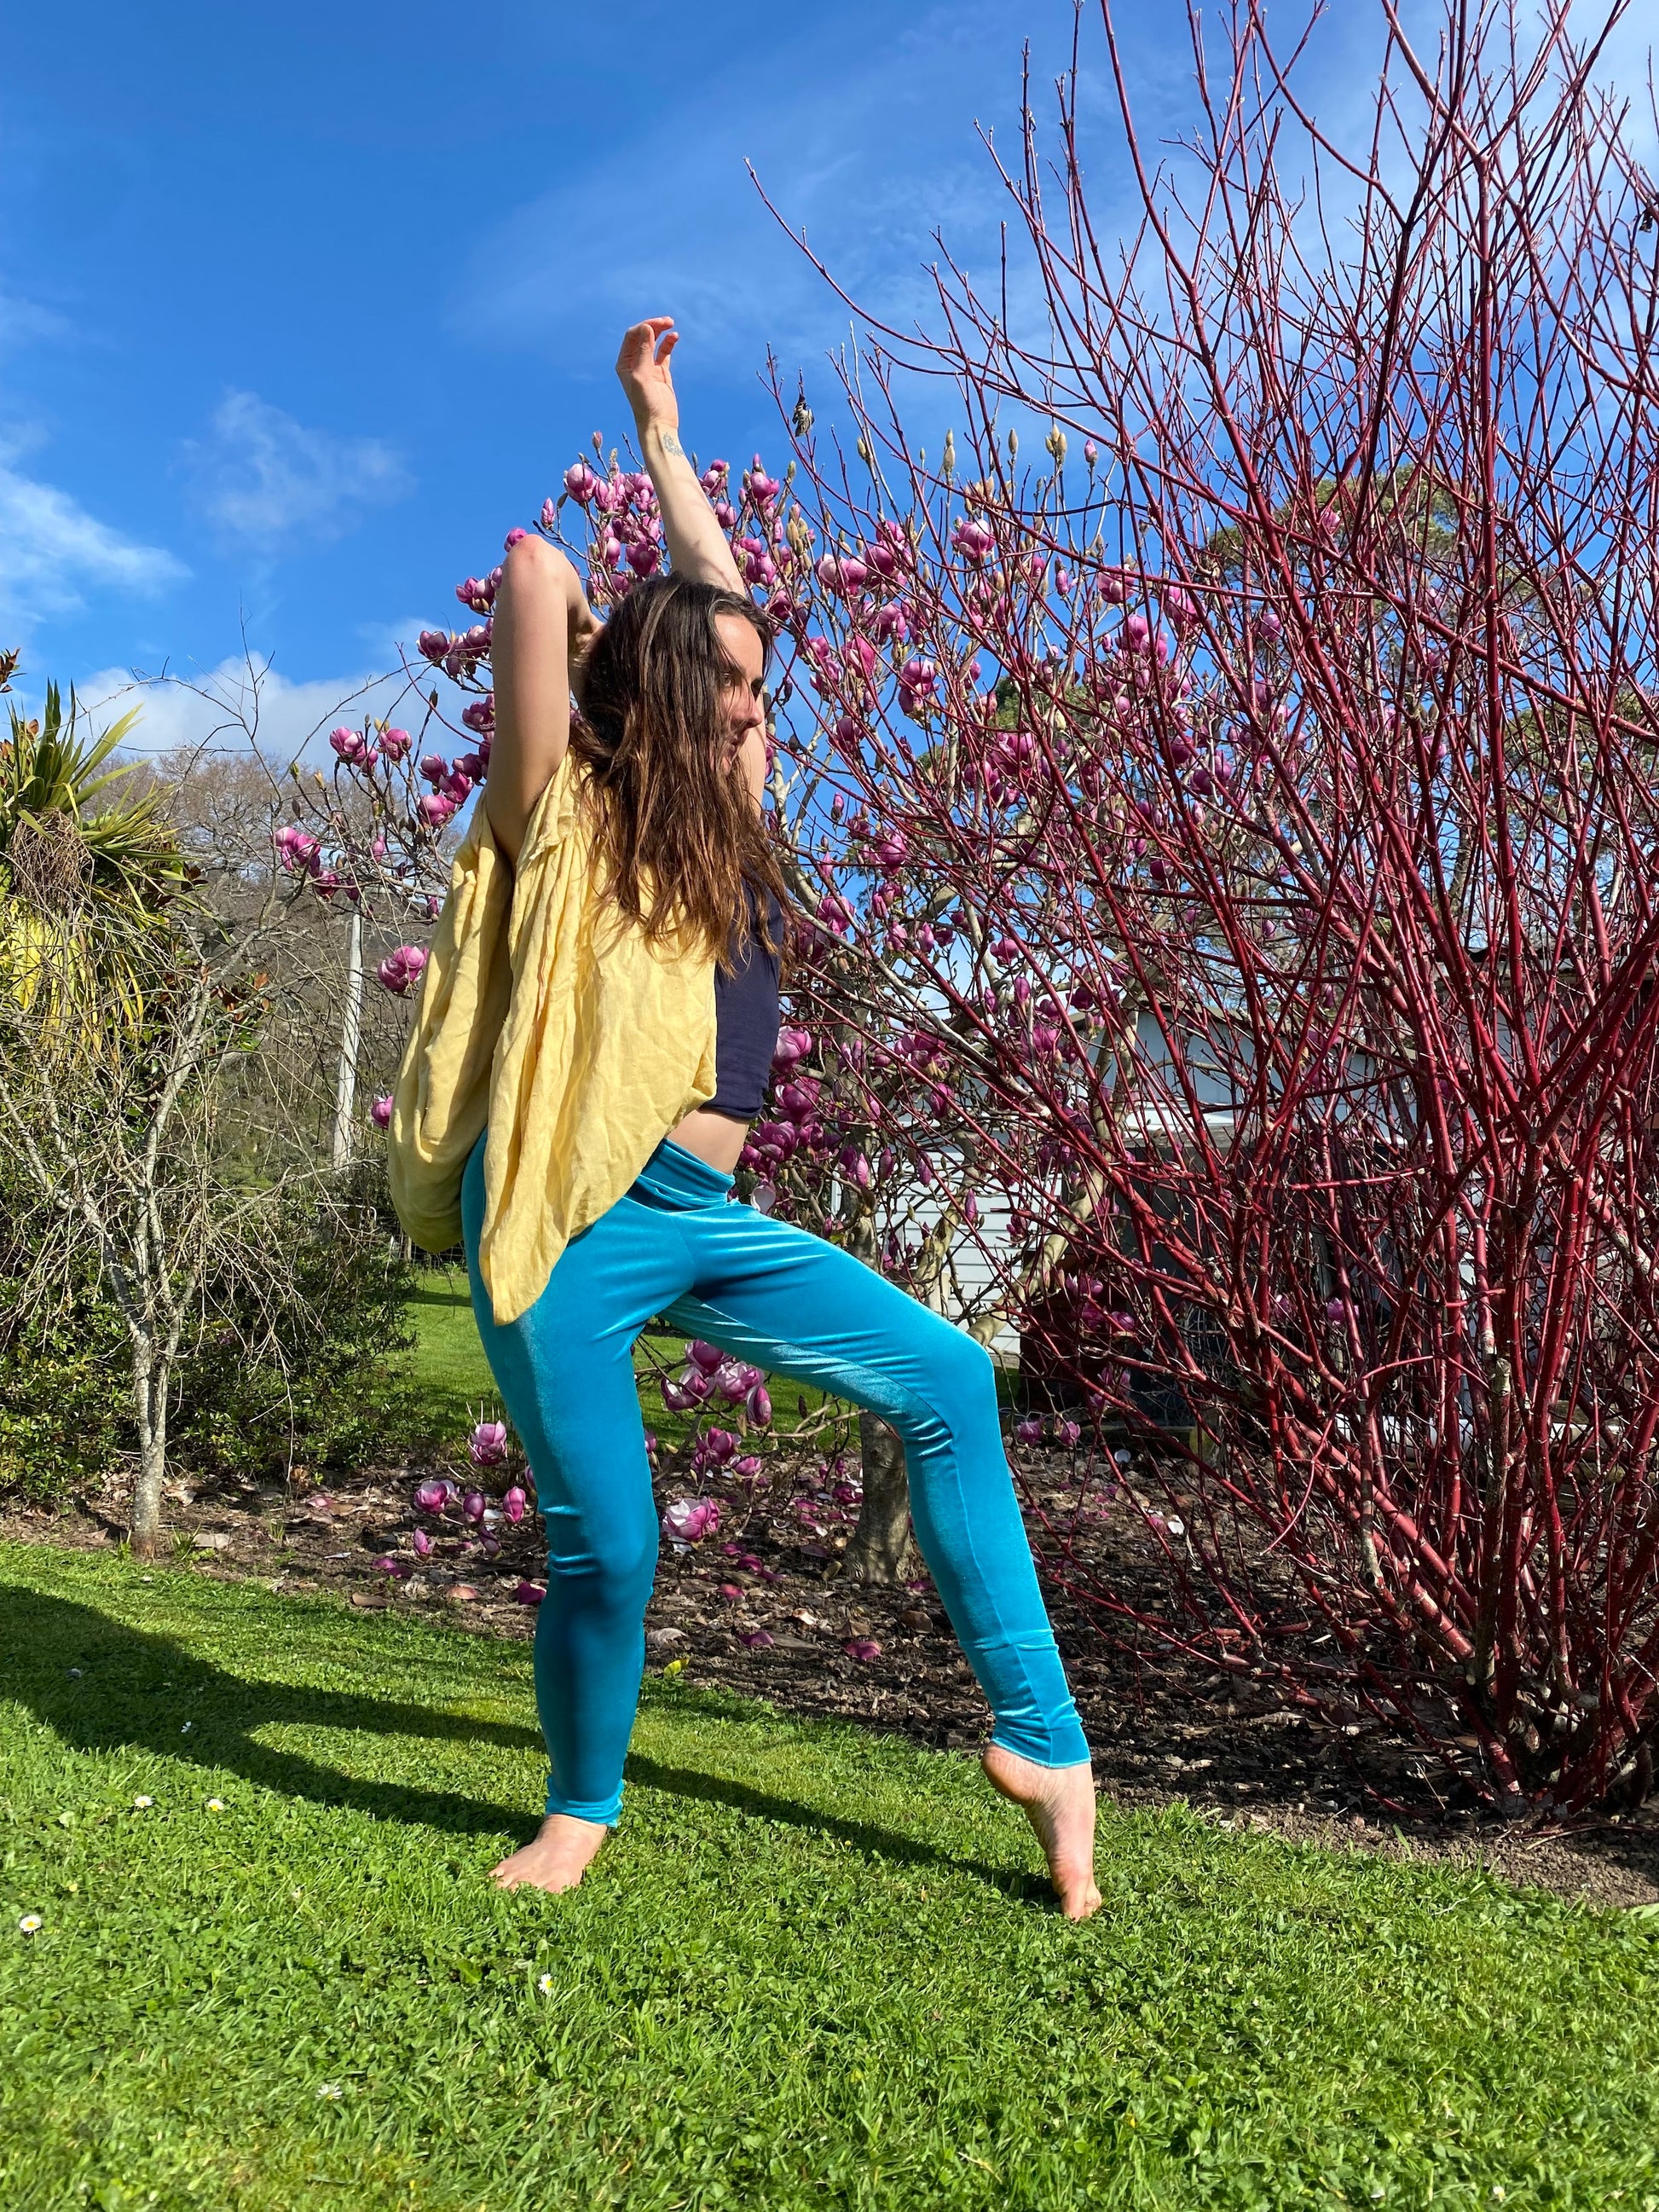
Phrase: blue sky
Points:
(301, 307)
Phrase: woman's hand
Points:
(642, 366)
(696, 544)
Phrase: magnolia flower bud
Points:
(381, 1112)
(514, 1505)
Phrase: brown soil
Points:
(1164, 1727)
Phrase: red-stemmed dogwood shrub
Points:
(1243, 840)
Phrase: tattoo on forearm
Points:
(670, 444)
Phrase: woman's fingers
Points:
(639, 346)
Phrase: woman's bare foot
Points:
(1059, 1801)
(562, 1851)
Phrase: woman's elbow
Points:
(532, 566)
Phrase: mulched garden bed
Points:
(763, 1606)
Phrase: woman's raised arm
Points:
(542, 620)
(696, 544)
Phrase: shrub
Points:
(331, 1387)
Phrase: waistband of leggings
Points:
(677, 1179)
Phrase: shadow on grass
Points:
(863, 1835)
(135, 1683)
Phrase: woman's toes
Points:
(556, 1860)
(1059, 1801)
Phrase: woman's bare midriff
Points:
(715, 1138)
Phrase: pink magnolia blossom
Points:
(487, 1447)
(403, 968)
(689, 1520)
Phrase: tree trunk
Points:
(150, 1377)
(345, 1082)
(880, 1546)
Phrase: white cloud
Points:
(25, 322)
(245, 704)
(264, 478)
(51, 549)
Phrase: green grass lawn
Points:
(450, 1367)
(814, 1969)
(454, 1379)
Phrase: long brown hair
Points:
(676, 835)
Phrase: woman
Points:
(596, 1029)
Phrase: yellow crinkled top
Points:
(578, 1042)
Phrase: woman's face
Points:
(743, 738)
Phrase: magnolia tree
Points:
(1229, 873)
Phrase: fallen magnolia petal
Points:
(525, 1594)
(422, 1544)
(756, 1639)
(862, 1647)
(730, 1593)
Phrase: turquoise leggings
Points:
(679, 1244)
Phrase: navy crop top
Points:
(746, 1021)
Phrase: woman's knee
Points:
(957, 1386)
(611, 1566)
